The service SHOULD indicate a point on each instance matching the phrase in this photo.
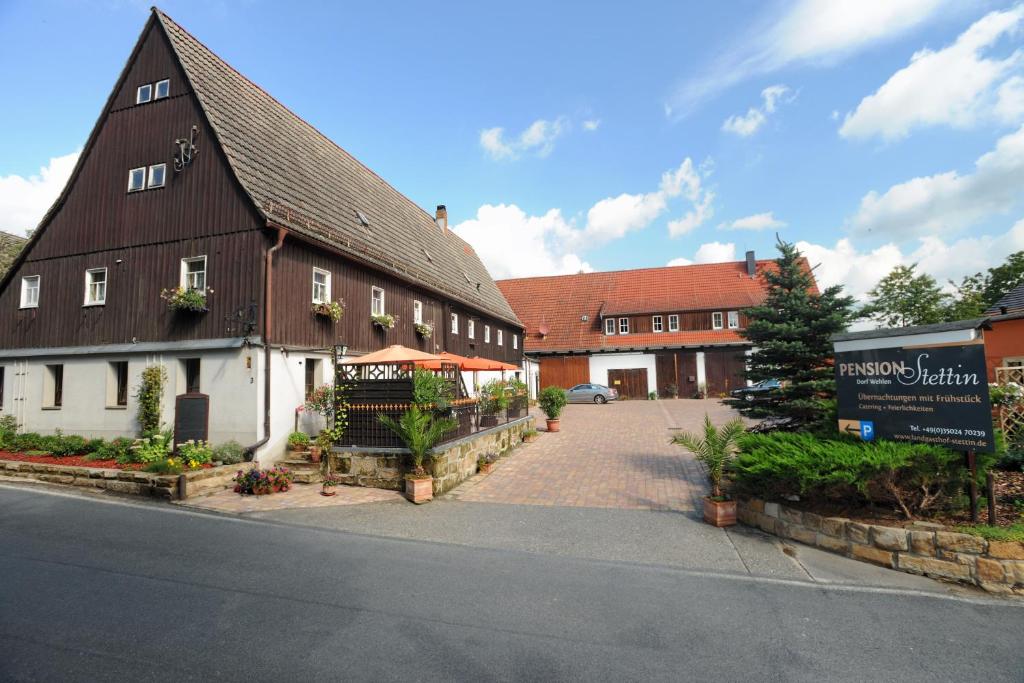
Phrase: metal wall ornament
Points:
(187, 150)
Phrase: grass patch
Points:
(1014, 532)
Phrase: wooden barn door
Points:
(564, 371)
(629, 383)
(725, 369)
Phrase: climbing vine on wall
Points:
(150, 393)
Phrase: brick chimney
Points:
(751, 264)
(442, 218)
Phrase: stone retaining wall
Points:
(451, 464)
(163, 486)
(922, 548)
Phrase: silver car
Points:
(591, 393)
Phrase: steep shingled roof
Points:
(10, 246)
(300, 179)
(1012, 301)
(559, 302)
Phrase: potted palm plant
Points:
(551, 401)
(419, 431)
(714, 449)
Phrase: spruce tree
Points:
(790, 332)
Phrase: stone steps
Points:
(303, 471)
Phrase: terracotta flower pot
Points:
(314, 453)
(419, 491)
(328, 491)
(554, 425)
(486, 467)
(530, 439)
(720, 513)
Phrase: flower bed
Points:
(71, 460)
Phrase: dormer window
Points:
(673, 323)
(716, 320)
(657, 323)
(163, 89)
(623, 325)
(157, 175)
(144, 94)
(609, 325)
(734, 320)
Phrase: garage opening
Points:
(631, 383)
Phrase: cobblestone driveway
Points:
(612, 456)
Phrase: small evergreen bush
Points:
(912, 478)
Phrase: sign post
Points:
(935, 395)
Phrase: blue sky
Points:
(567, 136)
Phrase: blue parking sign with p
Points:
(867, 430)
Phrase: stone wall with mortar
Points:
(121, 481)
(450, 464)
(922, 548)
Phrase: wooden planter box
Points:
(720, 513)
(419, 491)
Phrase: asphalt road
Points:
(95, 590)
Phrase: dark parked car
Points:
(591, 393)
(757, 392)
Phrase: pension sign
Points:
(924, 394)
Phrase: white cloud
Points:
(538, 138)
(758, 221)
(818, 32)
(749, 123)
(513, 244)
(23, 201)
(709, 252)
(948, 201)
(591, 125)
(859, 271)
(956, 86)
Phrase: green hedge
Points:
(911, 478)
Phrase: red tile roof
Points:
(555, 305)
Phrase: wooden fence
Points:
(1011, 418)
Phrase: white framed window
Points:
(734, 320)
(673, 323)
(137, 179)
(455, 323)
(716, 320)
(471, 328)
(193, 273)
(144, 93)
(417, 312)
(487, 334)
(657, 323)
(157, 175)
(321, 286)
(623, 325)
(609, 325)
(95, 286)
(377, 301)
(500, 338)
(515, 341)
(30, 291)
(162, 89)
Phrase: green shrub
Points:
(149, 449)
(552, 400)
(164, 466)
(297, 440)
(493, 397)
(93, 445)
(195, 454)
(229, 453)
(62, 446)
(29, 441)
(8, 429)
(912, 478)
(429, 389)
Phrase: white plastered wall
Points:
(288, 393)
(88, 407)
(601, 363)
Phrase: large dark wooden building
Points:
(197, 185)
(674, 330)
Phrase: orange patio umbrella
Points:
(475, 364)
(395, 353)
